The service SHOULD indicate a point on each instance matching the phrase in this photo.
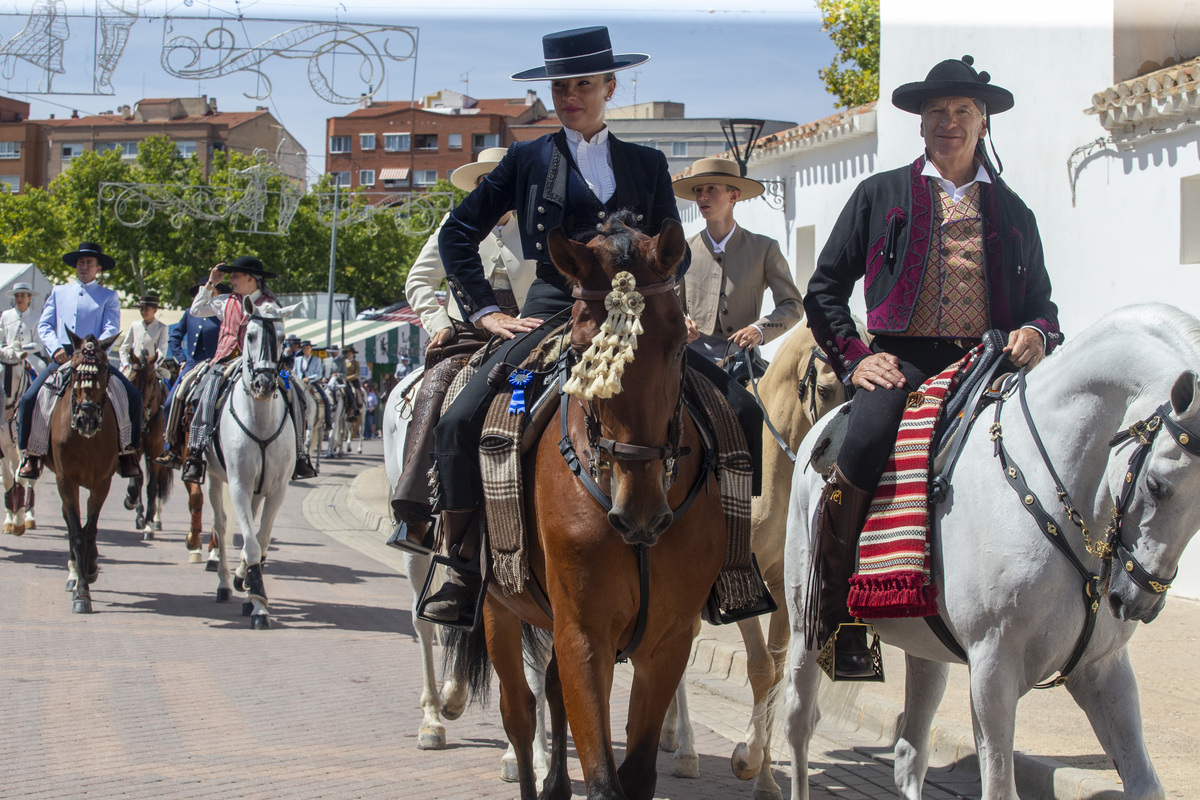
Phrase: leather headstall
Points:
(580, 293)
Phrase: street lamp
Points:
(343, 303)
(741, 135)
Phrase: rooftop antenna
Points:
(634, 81)
(466, 82)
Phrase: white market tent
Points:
(27, 273)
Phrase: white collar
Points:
(956, 192)
(719, 247)
(575, 138)
(85, 285)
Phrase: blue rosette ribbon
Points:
(287, 384)
(518, 379)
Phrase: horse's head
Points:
(89, 364)
(1159, 518)
(262, 347)
(623, 282)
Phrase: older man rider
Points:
(948, 252)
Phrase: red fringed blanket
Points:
(893, 578)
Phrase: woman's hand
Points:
(878, 369)
(500, 324)
(439, 338)
(215, 276)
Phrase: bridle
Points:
(89, 366)
(271, 344)
(1144, 432)
(272, 357)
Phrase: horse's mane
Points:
(1178, 330)
(617, 237)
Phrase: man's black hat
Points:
(90, 249)
(249, 265)
(953, 78)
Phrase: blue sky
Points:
(755, 59)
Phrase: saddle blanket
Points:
(894, 577)
(52, 389)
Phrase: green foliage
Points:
(853, 25)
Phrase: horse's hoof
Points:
(8, 527)
(70, 584)
(508, 771)
(82, 606)
(147, 535)
(686, 766)
(195, 557)
(19, 530)
(239, 583)
(452, 713)
(157, 525)
(247, 609)
(30, 525)
(223, 594)
(768, 794)
(260, 622)
(743, 765)
(211, 566)
(431, 737)
(139, 522)
(668, 742)
(130, 505)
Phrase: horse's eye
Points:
(1154, 488)
(823, 391)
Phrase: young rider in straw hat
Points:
(18, 327)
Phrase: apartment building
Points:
(22, 161)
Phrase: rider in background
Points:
(949, 251)
(85, 307)
(18, 326)
(191, 341)
(731, 267)
(248, 278)
(148, 334)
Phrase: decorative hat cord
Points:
(598, 373)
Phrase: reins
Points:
(272, 357)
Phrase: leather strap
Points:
(767, 417)
(580, 293)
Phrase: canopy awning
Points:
(356, 330)
(393, 174)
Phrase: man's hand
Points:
(747, 337)
(60, 356)
(878, 369)
(440, 338)
(693, 330)
(500, 324)
(1026, 348)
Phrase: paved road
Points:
(164, 693)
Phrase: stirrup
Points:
(399, 540)
(426, 591)
(714, 615)
(827, 657)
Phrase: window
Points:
(10, 149)
(366, 177)
(454, 141)
(393, 142)
(1189, 220)
(126, 149)
(340, 178)
(69, 151)
(186, 149)
(482, 141)
(425, 177)
(425, 141)
(339, 144)
(366, 141)
(679, 149)
(10, 183)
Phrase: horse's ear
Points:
(670, 247)
(248, 306)
(1185, 396)
(134, 360)
(107, 343)
(573, 259)
(153, 359)
(287, 311)
(76, 342)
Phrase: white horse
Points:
(18, 492)
(452, 699)
(314, 418)
(335, 390)
(1009, 597)
(257, 451)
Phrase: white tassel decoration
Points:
(598, 373)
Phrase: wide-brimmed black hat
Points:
(579, 52)
(306, 343)
(222, 288)
(249, 265)
(953, 78)
(349, 349)
(292, 340)
(149, 299)
(90, 249)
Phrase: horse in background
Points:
(18, 492)
(1010, 595)
(143, 374)
(82, 453)
(335, 388)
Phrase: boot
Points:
(193, 470)
(454, 603)
(169, 459)
(31, 467)
(304, 468)
(128, 466)
(840, 516)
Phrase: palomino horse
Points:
(18, 492)
(1010, 595)
(335, 389)
(798, 388)
(148, 517)
(253, 450)
(583, 559)
(83, 454)
(451, 699)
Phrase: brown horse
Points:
(143, 374)
(83, 454)
(584, 560)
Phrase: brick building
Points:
(22, 161)
(395, 146)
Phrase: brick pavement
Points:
(163, 693)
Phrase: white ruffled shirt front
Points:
(594, 161)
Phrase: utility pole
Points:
(337, 184)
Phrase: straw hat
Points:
(21, 286)
(716, 170)
(465, 176)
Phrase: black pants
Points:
(875, 415)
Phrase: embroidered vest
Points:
(233, 326)
(953, 299)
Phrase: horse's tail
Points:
(165, 482)
(468, 663)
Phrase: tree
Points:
(853, 25)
